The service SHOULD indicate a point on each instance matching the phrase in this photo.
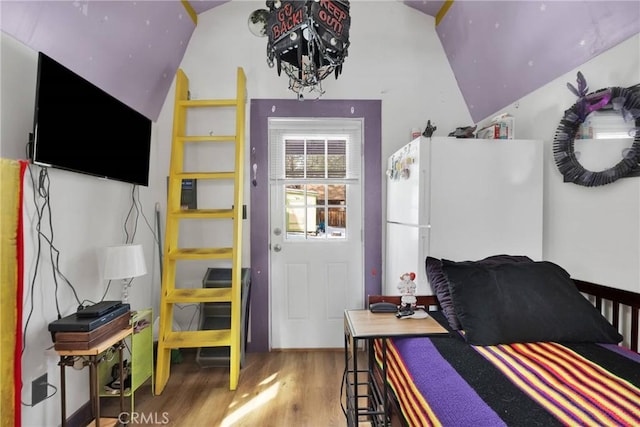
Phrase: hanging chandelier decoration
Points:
(309, 40)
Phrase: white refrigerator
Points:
(461, 199)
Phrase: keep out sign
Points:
(331, 15)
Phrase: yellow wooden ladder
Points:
(168, 339)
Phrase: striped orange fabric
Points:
(414, 407)
(572, 388)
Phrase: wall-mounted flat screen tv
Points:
(80, 128)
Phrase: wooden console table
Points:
(93, 356)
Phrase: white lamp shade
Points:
(124, 262)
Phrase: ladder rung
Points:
(203, 213)
(205, 175)
(201, 253)
(210, 138)
(208, 103)
(205, 338)
(199, 295)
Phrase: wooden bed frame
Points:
(619, 307)
(613, 304)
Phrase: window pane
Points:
(295, 218)
(315, 210)
(313, 194)
(301, 216)
(321, 227)
(315, 166)
(336, 226)
(337, 158)
(316, 159)
(319, 192)
(294, 158)
(315, 146)
(337, 194)
(294, 194)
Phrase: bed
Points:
(527, 345)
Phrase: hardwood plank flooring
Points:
(279, 389)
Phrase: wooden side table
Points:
(360, 383)
(94, 356)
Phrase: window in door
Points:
(314, 171)
(315, 188)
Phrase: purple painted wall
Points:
(430, 7)
(129, 49)
(203, 5)
(501, 51)
(261, 111)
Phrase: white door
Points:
(316, 239)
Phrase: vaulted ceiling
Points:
(498, 50)
(430, 7)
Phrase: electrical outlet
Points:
(39, 388)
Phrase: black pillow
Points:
(440, 284)
(523, 302)
(440, 287)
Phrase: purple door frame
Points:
(261, 111)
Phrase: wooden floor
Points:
(293, 388)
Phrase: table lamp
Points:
(124, 262)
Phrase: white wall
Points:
(87, 214)
(17, 66)
(593, 232)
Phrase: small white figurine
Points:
(407, 288)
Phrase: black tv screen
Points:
(79, 127)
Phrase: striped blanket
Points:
(444, 381)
